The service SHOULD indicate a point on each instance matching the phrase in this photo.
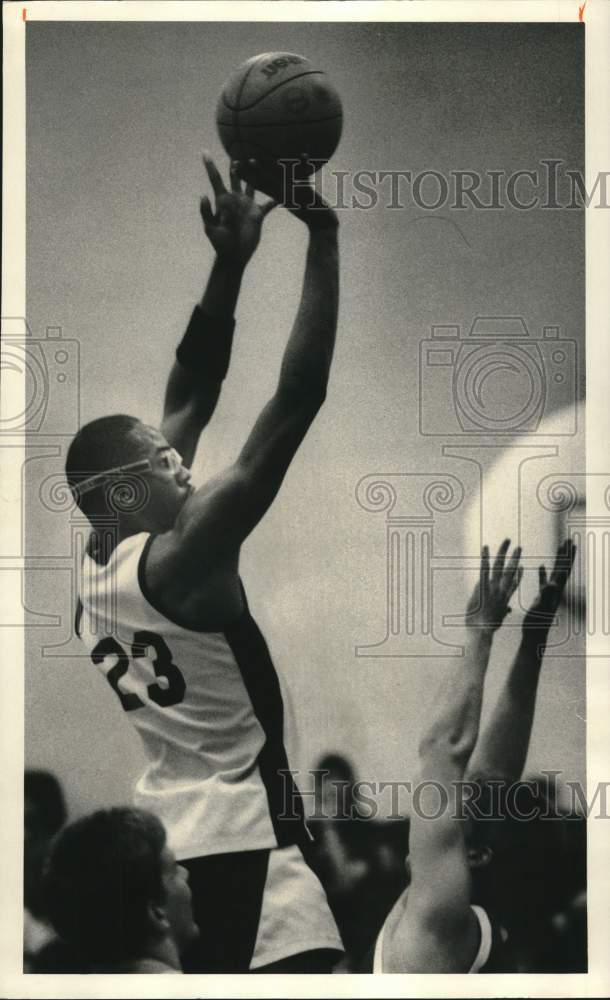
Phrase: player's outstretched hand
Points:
(489, 604)
(539, 617)
(233, 227)
(298, 195)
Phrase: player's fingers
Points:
(249, 192)
(261, 179)
(235, 178)
(212, 171)
(498, 566)
(267, 206)
(563, 563)
(206, 211)
(484, 571)
(241, 169)
(518, 578)
(510, 572)
(549, 599)
(559, 560)
(304, 162)
(514, 585)
(247, 170)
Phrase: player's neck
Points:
(158, 957)
(107, 532)
(163, 952)
(105, 537)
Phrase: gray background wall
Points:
(117, 117)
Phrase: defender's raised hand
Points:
(539, 618)
(234, 227)
(489, 603)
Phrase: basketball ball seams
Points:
(239, 93)
(281, 83)
(236, 107)
(263, 89)
(287, 124)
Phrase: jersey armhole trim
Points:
(175, 620)
(481, 956)
(485, 943)
(78, 617)
(378, 952)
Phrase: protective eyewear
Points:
(169, 460)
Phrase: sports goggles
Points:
(168, 459)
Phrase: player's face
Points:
(169, 483)
(177, 902)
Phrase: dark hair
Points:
(103, 872)
(45, 799)
(99, 445)
(528, 839)
(44, 815)
(339, 767)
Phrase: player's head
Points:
(118, 465)
(44, 805)
(114, 891)
(44, 813)
(335, 791)
(516, 847)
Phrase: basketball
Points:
(279, 106)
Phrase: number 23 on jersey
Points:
(164, 695)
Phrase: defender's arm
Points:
(502, 749)
(435, 928)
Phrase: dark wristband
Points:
(206, 345)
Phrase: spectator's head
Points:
(114, 891)
(44, 814)
(517, 849)
(335, 788)
(45, 810)
(117, 465)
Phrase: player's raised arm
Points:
(218, 518)
(233, 228)
(434, 928)
(502, 748)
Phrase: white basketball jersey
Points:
(207, 706)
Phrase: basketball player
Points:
(470, 868)
(164, 613)
(117, 896)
